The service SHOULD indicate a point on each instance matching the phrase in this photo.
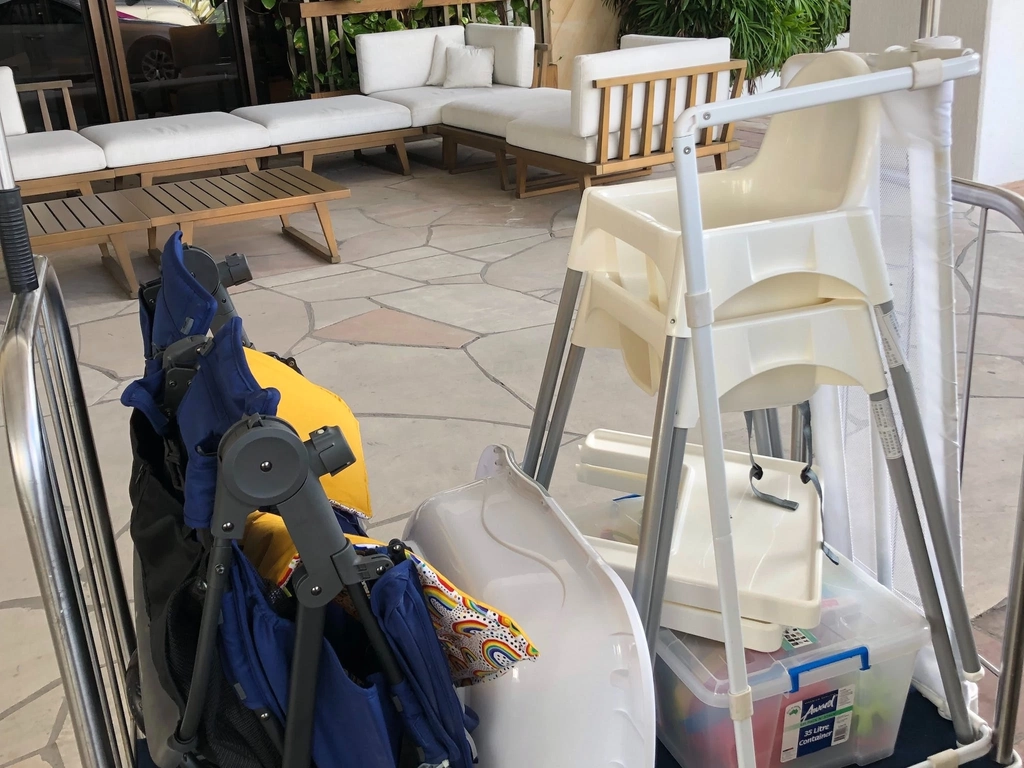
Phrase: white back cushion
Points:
(10, 105)
(644, 57)
(391, 60)
(513, 51)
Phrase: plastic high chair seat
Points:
(789, 232)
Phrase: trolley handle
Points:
(14, 240)
(795, 672)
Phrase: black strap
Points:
(756, 473)
(807, 474)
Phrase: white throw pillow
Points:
(438, 63)
(469, 67)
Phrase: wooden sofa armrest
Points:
(51, 85)
(649, 79)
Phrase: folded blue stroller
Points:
(340, 666)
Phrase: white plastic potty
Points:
(588, 699)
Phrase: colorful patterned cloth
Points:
(480, 642)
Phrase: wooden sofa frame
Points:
(572, 174)
(147, 172)
(81, 182)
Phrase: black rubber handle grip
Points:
(21, 267)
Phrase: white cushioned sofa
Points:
(472, 85)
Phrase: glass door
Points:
(180, 56)
(45, 40)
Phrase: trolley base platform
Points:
(923, 733)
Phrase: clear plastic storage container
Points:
(831, 696)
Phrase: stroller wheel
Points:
(133, 681)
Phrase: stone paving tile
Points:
(113, 345)
(538, 267)
(376, 243)
(464, 237)
(385, 326)
(28, 728)
(300, 276)
(991, 480)
(411, 381)
(400, 257)
(481, 308)
(434, 267)
(354, 285)
(27, 663)
(272, 320)
(327, 313)
(499, 251)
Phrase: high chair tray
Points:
(778, 551)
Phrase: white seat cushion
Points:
(331, 118)
(492, 112)
(551, 133)
(178, 137)
(426, 102)
(53, 153)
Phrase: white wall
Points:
(877, 24)
(1000, 155)
(987, 110)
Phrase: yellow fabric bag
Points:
(307, 407)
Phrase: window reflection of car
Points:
(46, 39)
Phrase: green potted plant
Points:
(763, 32)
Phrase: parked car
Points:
(47, 39)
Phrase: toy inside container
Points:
(833, 695)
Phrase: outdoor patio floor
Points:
(434, 328)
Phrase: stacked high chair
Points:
(735, 291)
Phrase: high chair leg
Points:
(570, 375)
(552, 365)
(676, 453)
(881, 409)
(931, 499)
(656, 510)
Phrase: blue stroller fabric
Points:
(356, 722)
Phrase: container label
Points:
(794, 639)
(817, 723)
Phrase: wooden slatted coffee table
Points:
(242, 197)
(109, 216)
(56, 225)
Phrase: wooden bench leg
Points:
(252, 164)
(284, 221)
(121, 267)
(720, 161)
(153, 250)
(521, 167)
(145, 179)
(187, 229)
(403, 156)
(85, 188)
(328, 250)
(307, 161)
(449, 153)
(499, 160)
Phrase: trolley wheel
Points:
(133, 681)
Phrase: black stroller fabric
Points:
(357, 723)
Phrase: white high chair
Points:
(784, 233)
